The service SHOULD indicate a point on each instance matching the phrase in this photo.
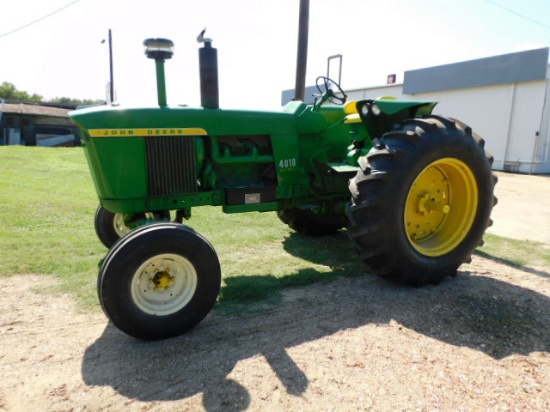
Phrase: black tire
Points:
(306, 222)
(109, 226)
(159, 281)
(422, 200)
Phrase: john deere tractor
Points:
(413, 190)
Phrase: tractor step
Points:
(342, 168)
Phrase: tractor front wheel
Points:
(159, 281)
(422, 200)
(109, 226)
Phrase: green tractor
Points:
(413, 190)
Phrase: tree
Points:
(75, 102)
(8, 91)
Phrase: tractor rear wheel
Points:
(159, 281)
(422, 200)
(306, 222)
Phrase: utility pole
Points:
(112, 86)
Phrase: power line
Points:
(518, 14)
(38, 20)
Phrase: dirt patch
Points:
(523, 209)
(480, 341)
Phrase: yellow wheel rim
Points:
(441, 207)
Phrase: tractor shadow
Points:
(472, 310)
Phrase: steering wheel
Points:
(335, 93)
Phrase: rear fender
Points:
(380, 115)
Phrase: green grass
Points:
(46, 203)
(516, 253)
(47, 206)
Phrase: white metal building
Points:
(503, 98)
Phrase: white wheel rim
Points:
(118, 224)
(164, 284)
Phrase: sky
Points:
(54, 47)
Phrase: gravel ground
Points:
(523, 207)
(478, 342)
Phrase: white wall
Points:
(525, 124)
(512, 118)
(541, 152)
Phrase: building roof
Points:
(33, 109)
(517, 67)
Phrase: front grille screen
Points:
(171, 165)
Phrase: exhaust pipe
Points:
(208, 69)
(301, 60)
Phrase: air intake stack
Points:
(159, 50)
(208, 68)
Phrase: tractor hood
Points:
(111, 119)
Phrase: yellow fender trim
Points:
(166, 131)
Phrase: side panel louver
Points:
(171, 165)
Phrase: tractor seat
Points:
(350, 108)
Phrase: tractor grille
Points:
(171, 165)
